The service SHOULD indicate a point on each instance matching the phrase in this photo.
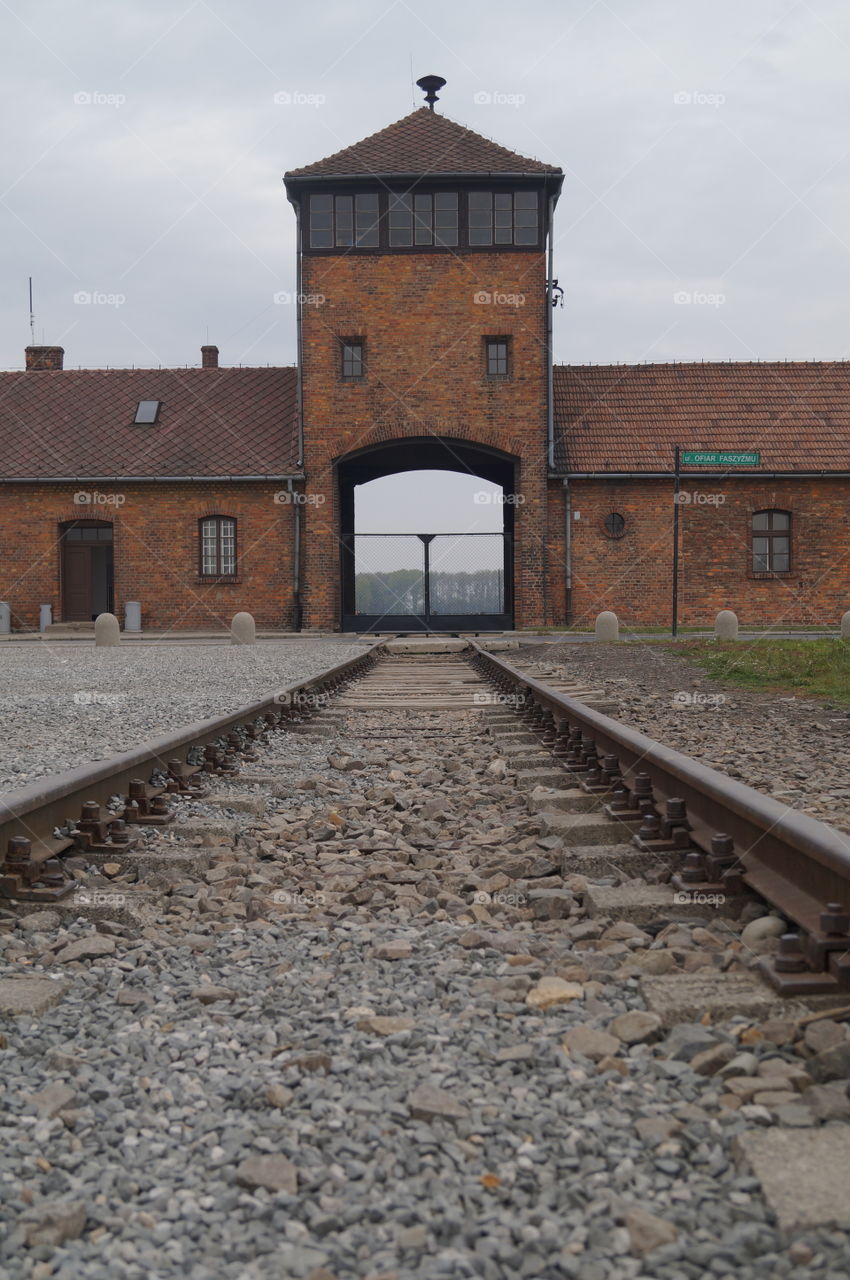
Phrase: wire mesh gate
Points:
(427, 582)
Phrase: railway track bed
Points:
(399, 998)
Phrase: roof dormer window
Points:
(147, 411)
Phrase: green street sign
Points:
(726, 459)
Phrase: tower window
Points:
(498, 351)
(423, 218)
(401, 220)
(353, 358)
(218, 547)
(771, 542)
(345, 222)
(503, 217)
(387, 220)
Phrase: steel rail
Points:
(32, 813)
(798, 863)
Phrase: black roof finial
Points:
(430, 85)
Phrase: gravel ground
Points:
(63, 705)
(796, 749)
(374, 1035)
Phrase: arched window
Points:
(771, 541)
(218, 547)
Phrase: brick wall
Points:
(424, 333)
(155, 548)
(632, 574)
(156, 553)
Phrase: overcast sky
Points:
(705, 145)
(164, 188)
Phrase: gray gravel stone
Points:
(272, 1173)
(590, 1042)
(53, 1223)
(52, 1099)
(90, 948)
(427, 1102)
(635, 1027)
(29, 995)
(647, 1231)
(67, 704)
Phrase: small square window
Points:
(353, 362)
(147, 411)
(498, 357)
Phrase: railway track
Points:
(425, 915)
(719, 838)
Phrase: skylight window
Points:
(147, 411)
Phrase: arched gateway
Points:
(425, 340)
(451, 580)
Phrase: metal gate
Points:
(427, 582)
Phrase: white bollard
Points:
(726, 625)
(132, 616)
(45, 616)
(242, 629)
(607, 628)
(845, 625)
(107, 632)
(5, 618)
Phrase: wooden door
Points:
(76, 582)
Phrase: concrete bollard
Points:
(726, 625)
(107, 632)
(607, 627)
(45, 616)
(132, 616)
(845, 625)
(5, 618)
(242, 629)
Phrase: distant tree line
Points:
(403, 591)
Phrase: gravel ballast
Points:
(64, 704)
(357, 1042)
(794, 749)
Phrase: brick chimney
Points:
(209, 357)
(45, 357)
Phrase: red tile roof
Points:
(241, 422)
(630, 417)
(423, 142)
(213, 422)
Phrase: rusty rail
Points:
(722, 835)
(172, 765)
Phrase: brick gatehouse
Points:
(424, 325)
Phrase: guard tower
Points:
(424, 343)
